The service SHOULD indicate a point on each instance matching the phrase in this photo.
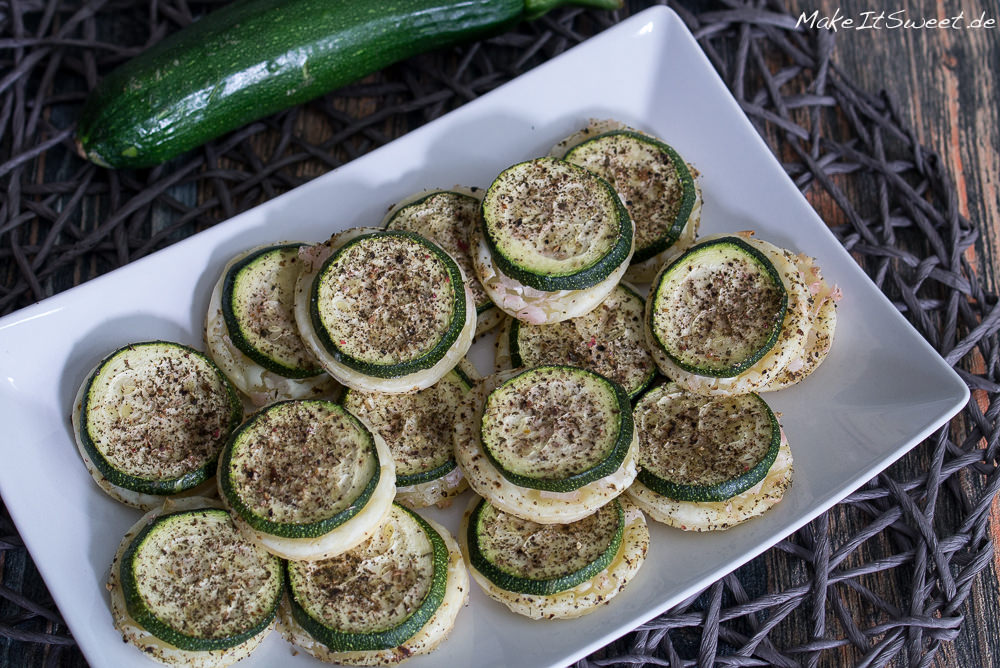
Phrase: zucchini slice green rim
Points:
(727, 489)
(408, 480)
(291, 529)
(480, 308)
(233, 325)
(688, 194)
(514, 346)
(340, 641)
(608, 465)
(519, 584)
(147, 618)
(428, 475)
(582, 278)
(425, 361)
(155, 487)
(775, 328)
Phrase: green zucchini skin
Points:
(352, 399)
(523, 585)
(612, 460)
(425, 361)
(154, 487)
(518, 360)
(582, 278)
(662, 281)
(253, 58)
(231, 492)
(148, 619)
(341, 641)
(236, 328)
(726, 489)
(687, 200)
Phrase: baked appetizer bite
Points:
(727, 316)
(822, 314)
(393, 597)
(708, 463)
(150, 421)
(384, 310)
(306, 479)
(554, 240)
(550, 444)
(657, 186)
(446, 217)
(250, 329)
(187, 588)
(609, 340)
(550, 571)
(419, 430)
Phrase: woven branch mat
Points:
(880, 579)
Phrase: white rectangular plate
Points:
(882, 389)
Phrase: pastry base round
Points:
(259, 384)
(586, 596)
(412, 382)
(719, 515)
(823, 322)
(424, 641)
(530, 504)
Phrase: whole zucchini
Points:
(255, 57)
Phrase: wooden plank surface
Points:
(946, 83)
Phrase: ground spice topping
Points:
(158, 411)
(387, 299)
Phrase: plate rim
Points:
(673, 25)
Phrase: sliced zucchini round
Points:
(553, 570)
(446, 217)
(717, 309)
(609, 340)
(384, 310)
(151, 419)
(418, 429)
(530, 558)
(697, 448)
(789, 342)
(552, 225)
(394, 596)
(250, 328)
(567, 437)
(652, 180)
(188, 589)
(708, 463)
(528, 304)
(306, 479)
(556, 428)
(257, 300)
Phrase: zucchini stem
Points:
(535, 8)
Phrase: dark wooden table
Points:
(947, 83)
